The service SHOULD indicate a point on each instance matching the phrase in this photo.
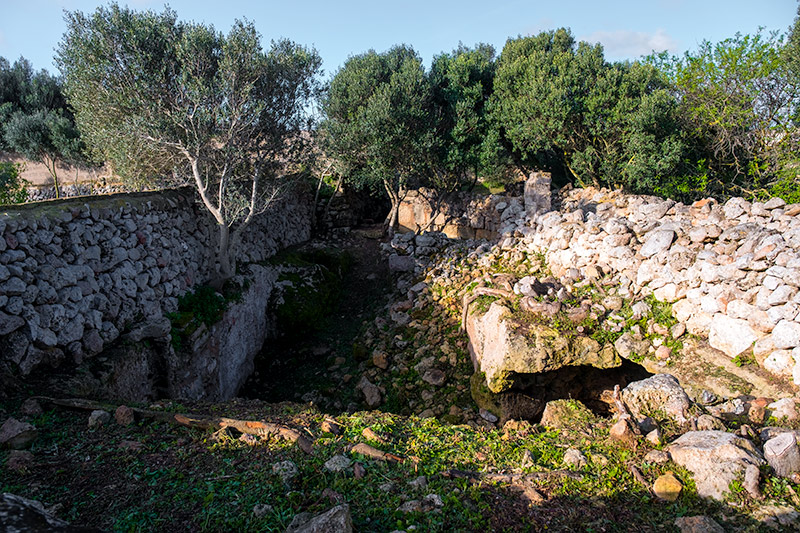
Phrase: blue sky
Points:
(338, 29)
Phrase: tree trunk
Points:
(51, 167)
(227, 264)
(392, 217)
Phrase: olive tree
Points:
(467, 142)
(378, 122)
(47, 137)
(737, 102)
(563, 108)
(211, 109)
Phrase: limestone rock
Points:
(286, 470)
(502, 352)
(667, 487)
(99, 418)
(574, 457)
(661, 392)
(372, 394)
(786, 335)
(622, 433)
(784, 408)
(715, 458)
(564, 414)
(337, 463)
(783, 454)
(731, 336)
(17, 435)
(22, 515)
(30, 407)
(401, 263)
(775, 516)
(335, 520)
(124, 415)
(657, 241)
(434, 376)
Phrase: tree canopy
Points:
(378, 121)
(35, 120)
(154, 95)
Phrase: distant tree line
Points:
(35, 122)
(155, 96)
(718, 121)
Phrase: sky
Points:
(339, 29)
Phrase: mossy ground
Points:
(180, 479)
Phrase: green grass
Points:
(186, 479)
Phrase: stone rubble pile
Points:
(731, 271)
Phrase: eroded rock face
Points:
(715, 458)
(219, 362)
(502, 352)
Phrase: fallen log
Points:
(374, 453)
(251, 427)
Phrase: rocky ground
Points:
(383, 433)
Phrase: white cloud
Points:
(628, 44)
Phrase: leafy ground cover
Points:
(151, 476)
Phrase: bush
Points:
(12, 186)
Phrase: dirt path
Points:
(318, 367)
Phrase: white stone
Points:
(786, 335)
(730, 335)
(780, 362)
(657, 241)
(715, 458)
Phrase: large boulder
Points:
(661, 392)
(731, 336)
(715, 458)
(501, 349)
(17, 435)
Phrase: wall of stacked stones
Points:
(76, 273)
(731, 270)
(464, 215)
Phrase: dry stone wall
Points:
(76, 274)
(463, 215)
(731, 271)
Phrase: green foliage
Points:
(12, 187)
(744, 359)
(156, 96)
(563, 108)
(314, 285)
(202, 306)
(468, 146)
(25, 91)
(737, 104)
(204, 303)
(46, 137)
(378, 121)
